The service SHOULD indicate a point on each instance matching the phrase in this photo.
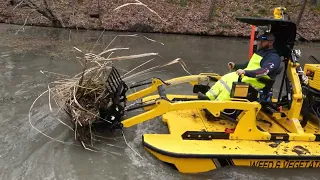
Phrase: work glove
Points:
(240, 72)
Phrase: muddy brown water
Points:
(27, 154)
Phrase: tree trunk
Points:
(301, 12)
(211, 10)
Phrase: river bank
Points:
(208, 17)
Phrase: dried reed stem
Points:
(139, 3)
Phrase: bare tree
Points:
(45, 11)
(301, 12)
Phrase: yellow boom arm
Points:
(193, 79)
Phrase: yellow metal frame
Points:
(193, 79)
(291, 122)
(246, 128)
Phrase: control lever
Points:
(240, 78)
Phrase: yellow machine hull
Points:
(196, 156)
(249, 129)
(197, 164)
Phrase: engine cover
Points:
(312, 71)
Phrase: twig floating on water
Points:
(29, 115)
(130, 146)
(49, 92)
(22, 27)
(77, 49)
(153, 40)
(99, 38)
(86, 148)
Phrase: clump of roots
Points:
(83, 95)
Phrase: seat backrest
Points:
(285, 36)
(269, 82)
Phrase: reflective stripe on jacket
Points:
(221, 90)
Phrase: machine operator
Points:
(265, 63)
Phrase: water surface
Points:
(27, 154)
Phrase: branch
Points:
(139, 4)
(17, 5)
(31, 4)
(22, 27)
(46, 12)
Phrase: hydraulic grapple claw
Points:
(111, 110)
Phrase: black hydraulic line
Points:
(140, 84)
(223, 115)
(185, 99)
(153, 103)
(289, 91)
(140, 106)
(316, 113)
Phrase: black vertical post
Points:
(283, 79)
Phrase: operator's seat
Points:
(253, 94)
(270, 82)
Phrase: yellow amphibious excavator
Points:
(253, 128)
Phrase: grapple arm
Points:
(116, 92)
(158, 84)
